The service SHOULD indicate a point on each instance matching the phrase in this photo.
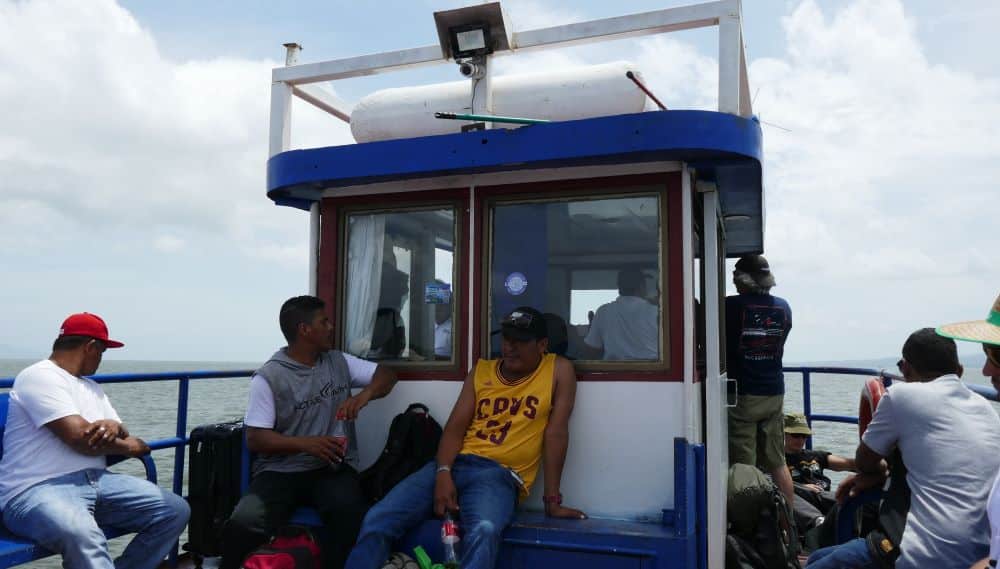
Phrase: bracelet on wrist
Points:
(443, 468)
(553, 499)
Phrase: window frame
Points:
(671, 366)
(332, 270)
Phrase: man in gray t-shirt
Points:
(946, 436)
(294, 400)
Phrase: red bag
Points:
(286, 552)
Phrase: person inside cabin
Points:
(987, 333)
(757, 326)
(558, 334)
(442, 321)
(389, 332)
(945, 438)
(55, 488)
(812, 488)
(628, 327)
(294, 400)
(510, 413)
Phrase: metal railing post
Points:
(807, 403)
(181, 433)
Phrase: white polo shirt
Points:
(32, 453)
(626, 329)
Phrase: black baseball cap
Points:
(523, 323)
(753, 264)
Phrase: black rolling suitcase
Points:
(215, 453)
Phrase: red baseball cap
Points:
(87, 324)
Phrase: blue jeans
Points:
(63, 514)
(852, 554)
(487, 497)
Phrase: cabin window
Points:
(399, 285)
(592, 264)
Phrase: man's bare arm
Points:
(840, 463)
(382, 383)
(445, 495)
(868, 461)
(269, 441)
(99, 438)
(557, 437)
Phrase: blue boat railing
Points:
(180, 438)
(887, 378)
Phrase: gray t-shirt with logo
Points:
(306, 399)
(949, 438)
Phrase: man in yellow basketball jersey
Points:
(509, 410)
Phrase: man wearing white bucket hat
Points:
(987, 333)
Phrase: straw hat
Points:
(983, 331)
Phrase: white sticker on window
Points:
(516, 283)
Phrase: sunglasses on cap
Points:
(518, 319)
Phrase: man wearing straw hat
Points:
(987, 333)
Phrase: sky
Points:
(133, 141)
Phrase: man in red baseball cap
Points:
(54, 482)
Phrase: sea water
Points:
(150, 409)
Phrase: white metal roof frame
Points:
(734, 89)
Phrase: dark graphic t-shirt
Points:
(757, 326)
(807, 467)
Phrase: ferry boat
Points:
(432, 227)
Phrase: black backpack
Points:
(761, 532)
(412, 442)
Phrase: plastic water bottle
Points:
(340, 431)
(340, 428)
(449, 539)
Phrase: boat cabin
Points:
(615, 223)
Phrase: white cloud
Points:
(880, 200)
(108, 132)
(168, 243)
(109, 151)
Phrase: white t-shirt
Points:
(993, 511)
(32, 453)
(627, 329)
(948, 438)
(260, 408)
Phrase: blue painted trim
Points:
(685, 489)
(701, 462)
(576, 546)
(704, 138)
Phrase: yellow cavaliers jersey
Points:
(511, 417)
